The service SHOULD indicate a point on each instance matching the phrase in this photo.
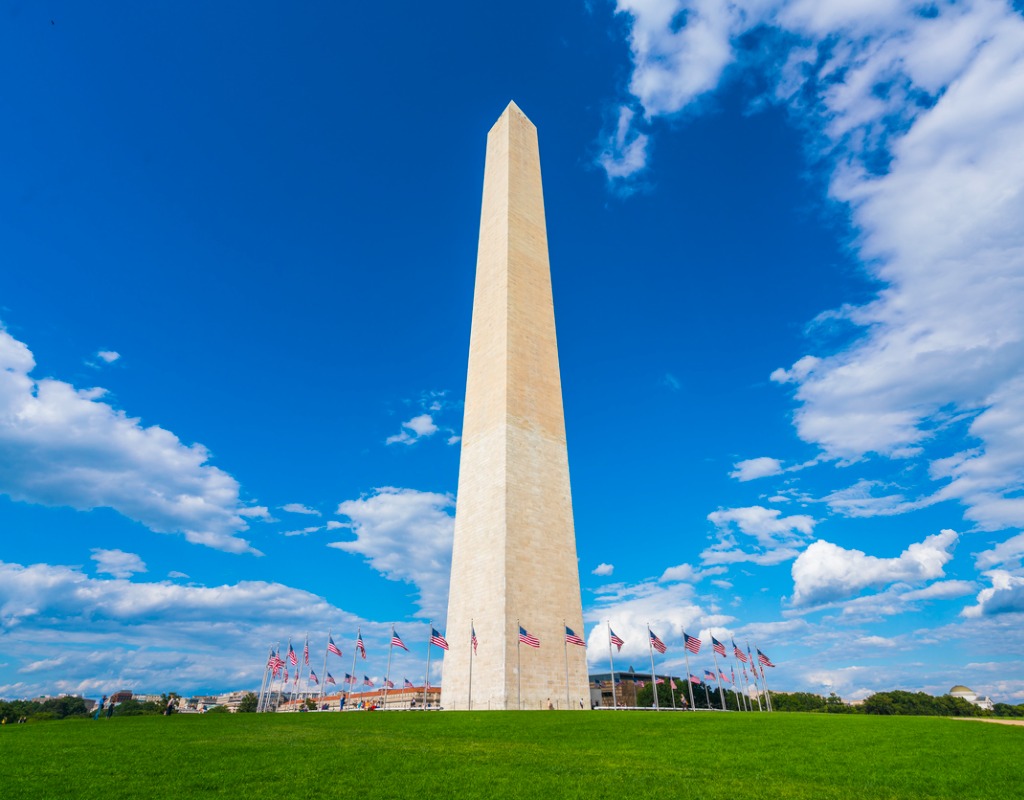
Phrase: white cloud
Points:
(825, 572)
(406, 535)
(777, 538)
(298, 508)
(117, 562)
(753, 468)
(110, 356)
(625, 152)
(1005, 596)
(603, 569)
(419, 427)
(175, 574)
(1008, 554)
(334, 525)
(255, 512)
(919, 118)
(65, 447)
(303, 531)
(860, 500)
(115, 633)
(688, 574)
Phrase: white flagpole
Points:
(654, 678)
(721, 691)
(387, 673)
(472, 630)
(263, 685)
(426, 675)
(689, 683)
(323, 676)
(672, 686)
(565, 646)
(519, 669)
(753, 671)
(764, 680)
(611, 663)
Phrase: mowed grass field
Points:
(532, 754)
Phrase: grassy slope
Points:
(528, 755)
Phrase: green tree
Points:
(248, 704)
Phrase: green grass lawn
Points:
(531, 754)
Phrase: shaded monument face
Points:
(514, 557)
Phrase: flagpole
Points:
(611, 664)
(426, 676)
(672, 687)
(654, 678)
(519, 668)
(387, 673)
(689, 683)
(753, 671)
(263, 685)
(764, 679)
(721, 691)
(323, 677)
(305, 662)
(565, 646)
(472, 628)
(707, 697)
(352, 683)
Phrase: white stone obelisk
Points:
(514, 555)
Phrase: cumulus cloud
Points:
(303, 531)
(918, 117)
(298, 508)
(603, 569)
(776, 538)
(1005, 596)
(110, 356)
(406, 535)
(688, 573)
(825, 572)
(754, 468)
(61, 446)
(117, 562)
(419, 427)
(117, 633)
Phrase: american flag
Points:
(732, 672)
(286, 674)
(438, 639)
(330, 679)
(615, 639)
(350, 679)
(660, 680)
(672, 683)
(312, 677)
(305, 652)
(367, 681)
(723, 676)
(691, 643)
(656, 643)
(292, 658)
(472, 638)
(396, 641)
(709, 675)
(572, 638)
(694, 679)
(527, 638)
(641, 684)
(717, 646)
(332, 647)
(359, 645)
(407, 684)
(764, 660)
(738, 653)
(428, 685)
(296, 679)
(389, 684)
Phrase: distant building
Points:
(120, 697)
(397, 700)
(971, 696)
(626, 686)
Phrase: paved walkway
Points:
(990, 719)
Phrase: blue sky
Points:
(238, 247)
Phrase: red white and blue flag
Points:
(528, 638)
(396, 641)
(723, 676)
(367, 681)
(332, 647)
(350, 679)
(691, 643)
(305, 652)
(656, 643)
(717, 646)
(286, 674)
(330, 679)
(407, 684)
(359, 645)
(694, 679)
(312, 677)
(472, 638)
(641, 684)
(572, 638)
(389, 684)
(615, 639)
(709, 675)
(660, 680)
(438, 639)
(292, 658)
(738, 653)
(764, 660)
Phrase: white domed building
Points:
(971, 697)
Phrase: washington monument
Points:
(514, 557)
